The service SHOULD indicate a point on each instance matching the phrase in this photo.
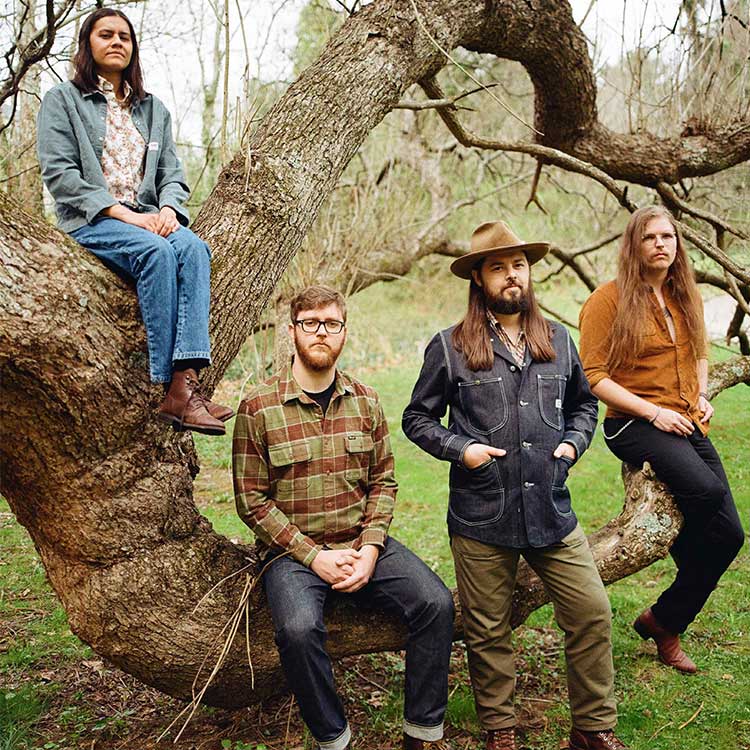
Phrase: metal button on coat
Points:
(523, 403)
(512, 368)
(525, 444)
(528, 484)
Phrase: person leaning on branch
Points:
(314, 480)
(521, 414)
(644, 350)
(108, 159)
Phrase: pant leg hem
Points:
(495, 727)
(161, 378)
(340, 743)
(419, 732)
(177, 355)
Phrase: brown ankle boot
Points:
(667, 644)
(501, 739)
(602, 740)
(185, 409)
(218, 411)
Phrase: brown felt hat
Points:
(492, 237)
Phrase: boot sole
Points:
(183, 426)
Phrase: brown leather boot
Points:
(602, 740)
(185, 409)
(501, 739)
(217, 411)
(667, 644)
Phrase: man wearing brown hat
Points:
(521, 414)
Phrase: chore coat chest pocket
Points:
(551, 394)
(484, 403)
(290, 470)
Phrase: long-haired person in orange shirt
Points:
(644, 351)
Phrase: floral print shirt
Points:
(124, 147)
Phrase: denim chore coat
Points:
(520, 499)
(70, 138)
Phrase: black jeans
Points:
(401, 584)
(712, 535)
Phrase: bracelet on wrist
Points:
(653, 419)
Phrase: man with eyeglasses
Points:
(314, 480)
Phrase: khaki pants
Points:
(486, 576)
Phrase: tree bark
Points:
(103, 488)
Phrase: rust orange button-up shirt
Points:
(665, 373)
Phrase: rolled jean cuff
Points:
(419, 732)
(340, 743)
(156, 378)
(177, 356)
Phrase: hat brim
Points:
(463, 266)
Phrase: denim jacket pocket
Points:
(290, 466)
(560, 492)
(484, 403)
(551, 393)
(477, 496)
(358, 447)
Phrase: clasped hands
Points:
(346, 570)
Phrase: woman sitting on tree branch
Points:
(644, 350)
(108, 159)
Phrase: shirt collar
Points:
(109, 90)
(290, 389)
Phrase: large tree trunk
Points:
(105, 490)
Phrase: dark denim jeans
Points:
(173, 280)
(712, 535)
(401, 584)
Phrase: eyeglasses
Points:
(312, 325)
(650, 239)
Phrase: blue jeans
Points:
(172, 276)
(401, 584)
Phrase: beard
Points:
(500, 305)
(318, 356)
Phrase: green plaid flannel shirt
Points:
(304, 482)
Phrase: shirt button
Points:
(328, 471)
(512, 368)
(528, 484)
(100, 138)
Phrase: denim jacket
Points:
(70, 138)
(520, 499)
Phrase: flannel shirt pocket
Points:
(358, 447)
(290, 462)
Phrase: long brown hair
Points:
(633, 311)
(85, 77)
(471, 336)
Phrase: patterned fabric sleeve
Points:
(251, 487)
(382, 487)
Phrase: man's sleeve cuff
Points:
(372, 536)
(455, 446)
(305, 553)
(578, 441)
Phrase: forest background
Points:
(406, 203)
